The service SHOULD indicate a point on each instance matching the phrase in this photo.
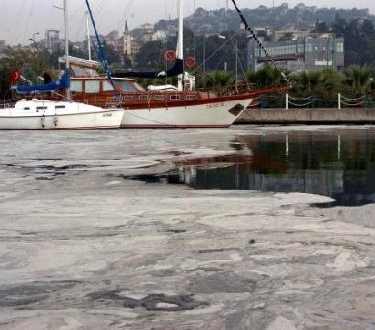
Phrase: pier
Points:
(311, 116)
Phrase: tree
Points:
(150, 55)
(265, 77)
(30, 62)
(358, 79)
(218, 81)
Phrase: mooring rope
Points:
(301, 98)
(302, 104)
(352, 100)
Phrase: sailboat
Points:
(49, 114)
(183, 109)
(160, 109)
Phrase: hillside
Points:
(300, 16)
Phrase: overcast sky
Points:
(19, 19)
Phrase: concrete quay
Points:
(308, 116)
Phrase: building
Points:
(312, 52)
(131, 46)
(148, 32)
(159, 35)
(279, 35)
(52, 40)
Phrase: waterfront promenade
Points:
(310, 116)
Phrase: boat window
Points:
(92, 86)
(60, 107)
(107, 86)
(41, 108)
(26, 108)
(126, 86)
(175, 97)
(76, 86)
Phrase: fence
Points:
(340, 103)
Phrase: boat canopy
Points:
(61, 84)
(176, 70)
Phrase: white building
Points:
(131, 46)
(52, 40)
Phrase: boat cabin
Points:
(102, 85)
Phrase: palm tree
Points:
(265, 77)
(306, 82)
(218, 80)
(358, 80)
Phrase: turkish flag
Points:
(15, 77)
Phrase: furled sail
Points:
(176, 70)
(61, 84)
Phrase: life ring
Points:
(190, 62)
(170, 56)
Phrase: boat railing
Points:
(151, 97)
(7, 105)
(166, 98)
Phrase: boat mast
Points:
(67, 60)
(88, 34)
(180, 45)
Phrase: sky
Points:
(20, 20)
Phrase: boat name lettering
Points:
(215, 105)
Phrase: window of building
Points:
(340, 47)
(92, 86)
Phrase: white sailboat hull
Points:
(213, 115)
(29, 115)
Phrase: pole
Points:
(236, 53)
(88, 35)
(67, 60)
(339, 101)
(287, 101)
(204, 54)
(180, 46)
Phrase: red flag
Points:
(15, 77)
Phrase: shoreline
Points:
(313, 116)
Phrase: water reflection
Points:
(338, 164)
